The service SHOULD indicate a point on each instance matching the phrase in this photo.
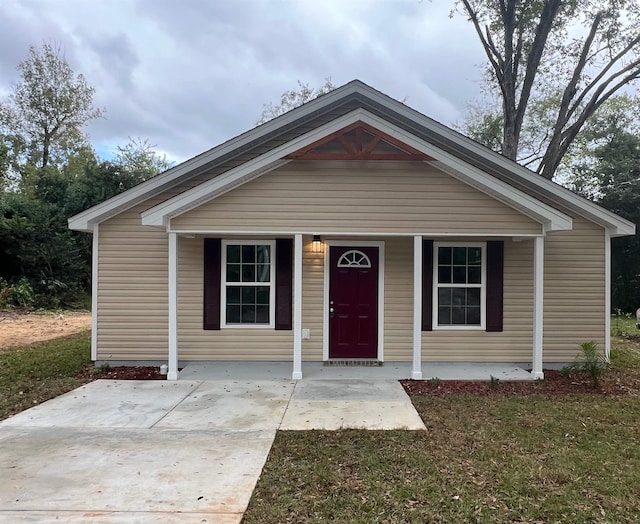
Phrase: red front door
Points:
(353, 302)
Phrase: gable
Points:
(161, 215)
(356, 97)
(356, 197)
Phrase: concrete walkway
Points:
(185, 451)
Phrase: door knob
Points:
(331, 312)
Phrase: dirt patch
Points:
(21, 329)
(554, 383)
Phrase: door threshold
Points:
(372, 362)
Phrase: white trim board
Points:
(95, 246)
(325, 300)
(377, 234)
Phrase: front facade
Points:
(350, 228)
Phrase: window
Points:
(459, 293)
(248, 275)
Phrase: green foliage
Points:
(48, 107)
(20, 294)
(623, 325)
(435, 381)
(140, 160)
(590, 362)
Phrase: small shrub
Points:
(435, 381)
(19, 294)
(590, 362)
(495, 382)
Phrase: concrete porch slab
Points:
(340, 404)
(318, 371)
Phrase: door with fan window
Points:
(353, 302)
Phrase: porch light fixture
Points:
(316, 244)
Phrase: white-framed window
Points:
(248, 283)
(354, 258)
(459, 291)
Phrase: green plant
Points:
(435, 381)
(19, 294)
(495, 382)
(591, 362)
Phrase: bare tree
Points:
(580, 52)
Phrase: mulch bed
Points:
(554, 383)
(125, 373)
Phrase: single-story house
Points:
(352, 227)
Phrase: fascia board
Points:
(539, 211)
(194, 197)
(618, 226)
(84, 221)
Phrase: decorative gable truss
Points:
(359, 141)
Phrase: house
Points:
(352, 227)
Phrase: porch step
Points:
(354, 362)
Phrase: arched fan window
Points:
(354, 258)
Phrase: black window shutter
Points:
(284, 284)
(495, 284)
(212, 272)
(427, 285)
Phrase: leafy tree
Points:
(140, 159)
(559, 58)
(49, 106)
(291, 99)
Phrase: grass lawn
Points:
(496, 458)
(32, 374)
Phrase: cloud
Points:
(189, 75)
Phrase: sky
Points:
(186, 75)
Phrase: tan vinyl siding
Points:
(132, 289)
(514, 344)
(312, 300)
(574, 290)
(393, 197)
(195, 343)
(398, 299)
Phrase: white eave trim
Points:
(550, 218)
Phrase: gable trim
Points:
(551, 218)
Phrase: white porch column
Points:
(297, 308)
(416, 371)
(173, 307)
(607, 294)
(94, 294)
(538, 307)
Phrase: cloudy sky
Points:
(189, 74)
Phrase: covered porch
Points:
(310, 250)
